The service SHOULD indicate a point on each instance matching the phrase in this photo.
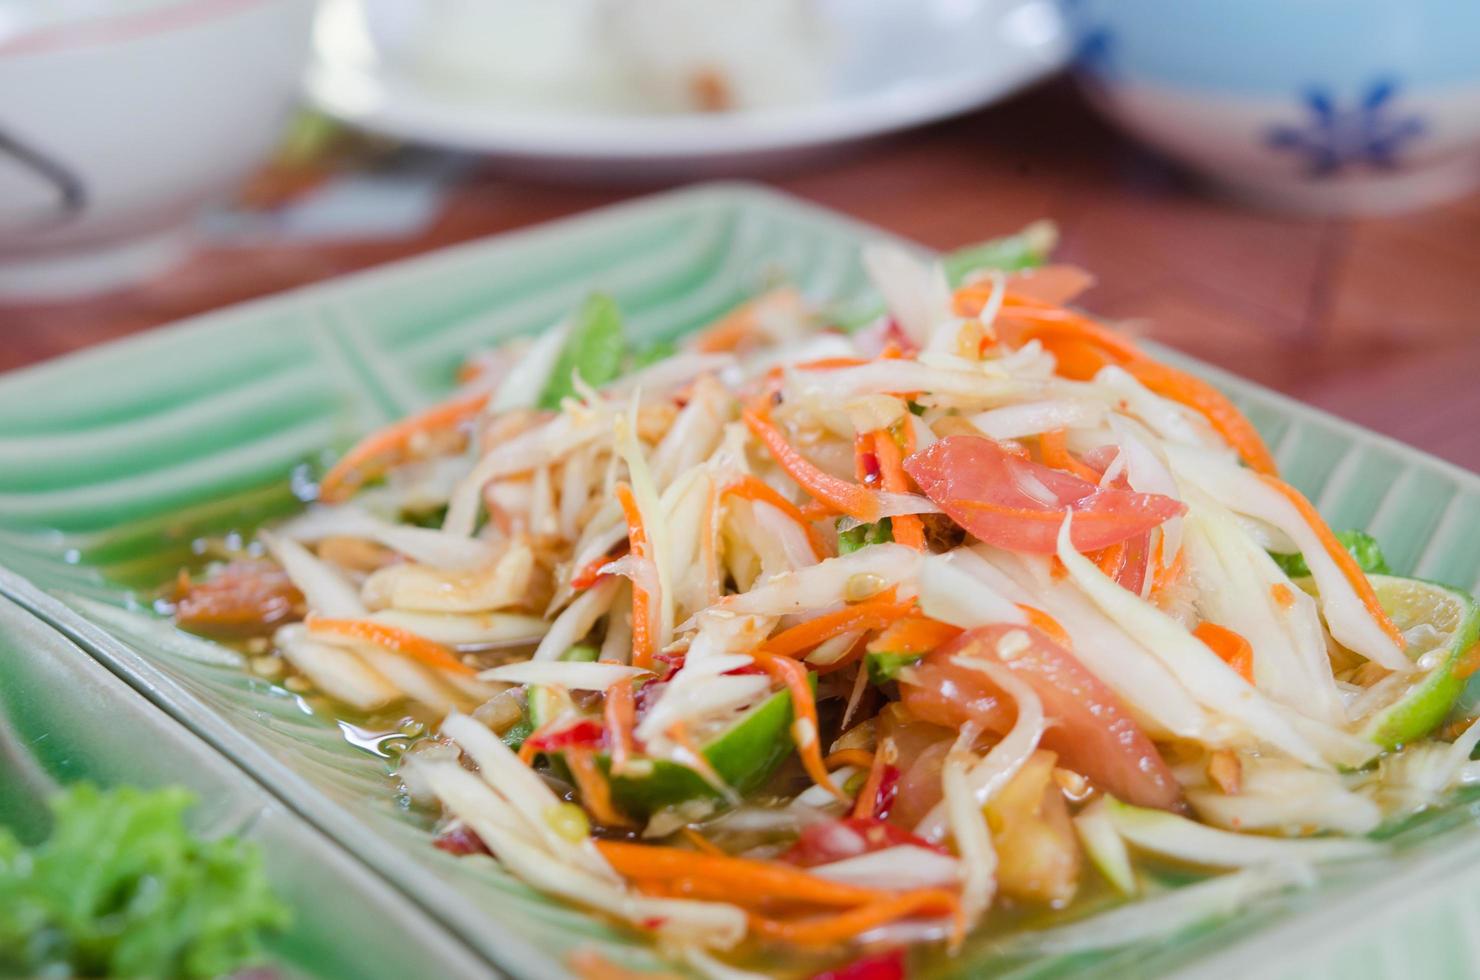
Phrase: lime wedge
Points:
(743, 756)
(1440, 624)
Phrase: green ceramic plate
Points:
(113, 461)
(64, 718)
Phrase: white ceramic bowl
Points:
(117, 122)
(900, 63)
(1317, 105)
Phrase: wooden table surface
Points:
(1375, 319)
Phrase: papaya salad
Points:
(826, 642)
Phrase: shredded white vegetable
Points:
(572, 625)
(1241, 490)
(482, 631)
(575, 676)
(1177, 837)
(1205, 676)
(334, 670)
(795, 574)
(900, 867)
(420, 544)
(968, 826)
(915, 291)
(322, 585)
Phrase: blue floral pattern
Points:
(1372, 133)
(1092, 42)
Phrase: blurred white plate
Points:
(901, 63)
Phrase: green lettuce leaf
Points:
(658, 350)
(595, 350)
(884, 666)
(1362, 546)
(122, 889)
(1027, 249)
(864, 535)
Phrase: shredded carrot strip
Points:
(1047, 625)
(874, 613)
(595, 791)
(699, 841)
(732, 329)
(816, 510)
(590, 573)
(1111, 559)
(863, 806)
(392, 638)
(381, 448)
(1044, 321)
(858, 758)
(908, 529)
(913, 634)
(830, 363)
(855, 501)
(694, 887)
(1282, 594)
(1076, 359)
(744, 877)
(804, 709)
(527, 749)
(642, 631)
(1056, 453)
(1344, 561)
(1221, 413)
(1075, 340)
(1230, 647)
(620, 714)
(754, 488)
(863, 450)
(842, 926)
(1163, 578)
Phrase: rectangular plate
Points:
(114, 460)
(51, 705)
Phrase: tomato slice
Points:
(1133, 562)
(1019, 505)
(1090, 730)
(584, 733)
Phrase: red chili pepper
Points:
(460, 840)
(894, 335)
(866, 469)
(880, 966)
(750, 668)
(888, 790)
(586, 733)
(835, 840)
(673, 661)
(588, 576)
(644, 697)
